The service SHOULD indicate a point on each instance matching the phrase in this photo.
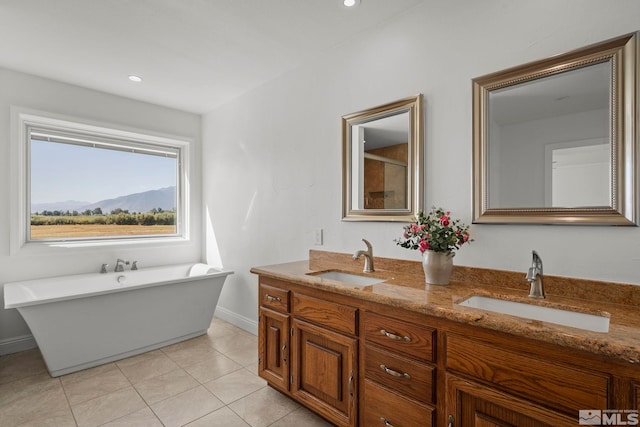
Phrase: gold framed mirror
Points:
(382, 172)
(555, 141)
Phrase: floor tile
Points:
(215, 367)
(190, 353)
(107, 408)
(263, 407)
(90, 383)
(235, 342)
(187, 382)
(142, 418)
(186, 407)
(147, 367)
(26, 388)
(32, 399)
(166, 385)
(235, 385)
(134, 360)
(223, 417)
(62, 417)
(302, 417)
(21, 365)
(244, 356)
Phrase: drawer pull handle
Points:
(395, 373)
(384, 421)
(272, 298)
(283, 354)
(394, 336)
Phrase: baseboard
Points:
(234, 318)
(16, 344)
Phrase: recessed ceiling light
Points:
(351, 3)
(136, 79)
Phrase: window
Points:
(82, 183)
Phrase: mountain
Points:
(163, 198)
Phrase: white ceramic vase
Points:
(437, 267)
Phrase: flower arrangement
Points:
(435, 231)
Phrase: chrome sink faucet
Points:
(120, 263)
(534, 276)
(368, 257)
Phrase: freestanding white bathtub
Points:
(86, 320)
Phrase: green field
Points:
(120, 224)
(100, 230)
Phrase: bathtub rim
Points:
(26, 303)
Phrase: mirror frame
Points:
(623, 53)
(415, 175)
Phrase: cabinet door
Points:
(324, 372)
(474, 405)
(273, 348)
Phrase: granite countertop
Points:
(402, 285)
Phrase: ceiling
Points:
(193, 55)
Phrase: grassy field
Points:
(92, 230)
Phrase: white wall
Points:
(17, 89)
(272, 165)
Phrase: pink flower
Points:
(406, 234)
(424, 245)
(465, 237)
(444, 220)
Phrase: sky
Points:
(61, 172)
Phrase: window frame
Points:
(24, 120)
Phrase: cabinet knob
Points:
(450, 421)
(394, 336)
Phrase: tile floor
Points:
(206, 381)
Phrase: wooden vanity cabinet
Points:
(325, 358)
(470, 404)
(493, 383)
(308, 349)
(342, 358)
(399, 374)
(273, 336)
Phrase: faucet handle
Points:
(103, 269)
(134, 265)
(369, 247)
(536, 261)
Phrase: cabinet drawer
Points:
(560, 386)
(403, 375)
(411, 339)
(274, 298)
(383, 407)
(335, 316)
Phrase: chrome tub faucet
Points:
(120, 263)
(534, 276)
(368, 257)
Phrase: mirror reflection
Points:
(382, 146)
(550, 141)
(382, 164)
(555, 140)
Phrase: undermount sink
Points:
(589, 322)
(348, 278)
